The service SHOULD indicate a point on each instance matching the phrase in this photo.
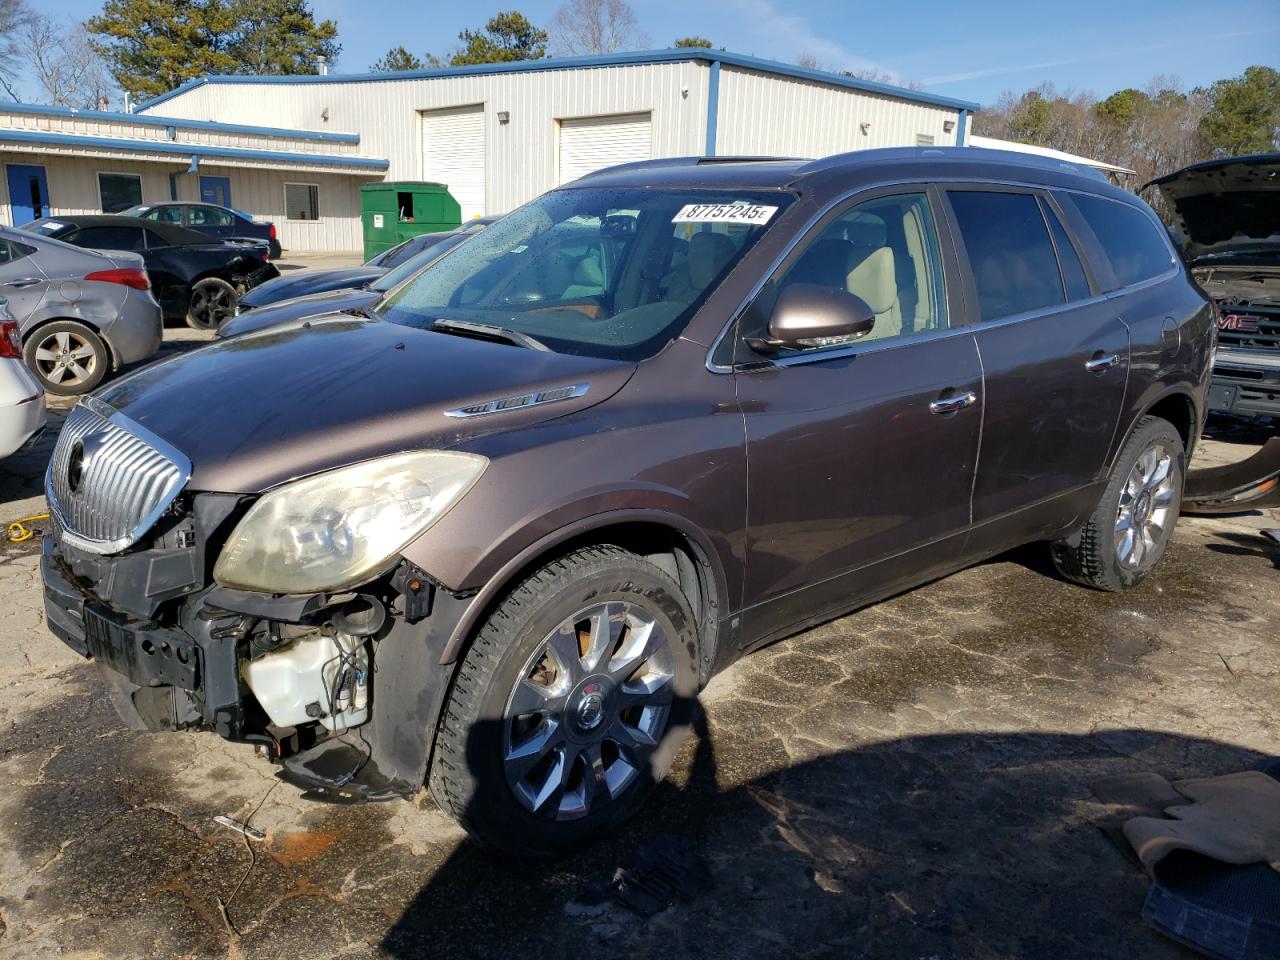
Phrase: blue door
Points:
(28, 193)
(216, 190)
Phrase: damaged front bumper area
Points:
(342, 690)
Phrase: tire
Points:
(493, 760)
(213, 300)
(1095, 555)
(67, 357)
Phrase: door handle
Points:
(945, 405)
(1100, 362)
(24, 282)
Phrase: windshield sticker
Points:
(754, 214)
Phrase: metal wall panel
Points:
(761, 113)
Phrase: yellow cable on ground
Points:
(19, 531)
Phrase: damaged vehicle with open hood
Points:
(494, 534)
(1227, 219)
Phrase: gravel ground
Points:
(909, 781)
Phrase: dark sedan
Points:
(195, 279)
(210, 219)
(305, 283)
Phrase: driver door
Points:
(860, 456)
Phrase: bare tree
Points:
(62, 60)
(589, 27)
(14, 15)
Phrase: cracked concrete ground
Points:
(909, 781)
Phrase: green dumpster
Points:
(393, 212)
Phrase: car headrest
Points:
(866, 230)
(588, 272)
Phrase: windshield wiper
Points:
(490, 331)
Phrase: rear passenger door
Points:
(1055, 359)
(861, 453)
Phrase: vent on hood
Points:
(501, 404)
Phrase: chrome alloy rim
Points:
(587, 710)
(211, 304)
(1145, 511)
(66, 358)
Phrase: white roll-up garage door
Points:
(589, 143)
(453, 154)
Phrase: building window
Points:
(119, 191)
(924, 139)
(301, 201)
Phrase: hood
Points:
(296, 310)
(257, 410)
(1226, 206)
(304, 282)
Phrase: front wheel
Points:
(67, 357)
(213, 300)
(1127, 533)
(570, 705)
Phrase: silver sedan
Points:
(81, 312)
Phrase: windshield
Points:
(393, 278)
(138, 211)
(605, 273)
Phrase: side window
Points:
(1073, 277)
(170, 214)
(886, 252)
(7, 253)
(1131, 240)
(154, 240)
(108, 238)
(1012, 259)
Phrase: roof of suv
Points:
(848, 169)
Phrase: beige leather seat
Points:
(873, 277)
(708, 253)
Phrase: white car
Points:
(22, 409)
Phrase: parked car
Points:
(194, 278)
(306, 282)
(22, 407)
(354, 299)
(210, 219)
(81, 313)
(497, 538)
(1228, 223)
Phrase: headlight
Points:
(337, 529)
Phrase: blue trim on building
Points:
(192, 150)
(961, 124)
(684, 55)
(713, 107)
(174, 122)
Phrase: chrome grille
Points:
(110, 478)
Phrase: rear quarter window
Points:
(1133, 242)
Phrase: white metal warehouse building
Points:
(295, 149)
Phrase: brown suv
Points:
(495, 536)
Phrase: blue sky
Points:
(972, 50)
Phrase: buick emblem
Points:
(75, 467)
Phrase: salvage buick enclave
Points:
(496, 536)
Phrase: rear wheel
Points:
(570, 704)
(213, 300)
(1127, 533)
(68, 357)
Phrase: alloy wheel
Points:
(211, 304)
(66, 359)
(1145, 510)
(587, 711)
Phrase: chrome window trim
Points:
(171, 453)
(842, 352)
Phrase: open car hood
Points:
(1229, 206)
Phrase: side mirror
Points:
(809, 315)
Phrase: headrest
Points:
(708, 253)
(866, 230)
(874, 280)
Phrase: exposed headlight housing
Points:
(338, 529)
